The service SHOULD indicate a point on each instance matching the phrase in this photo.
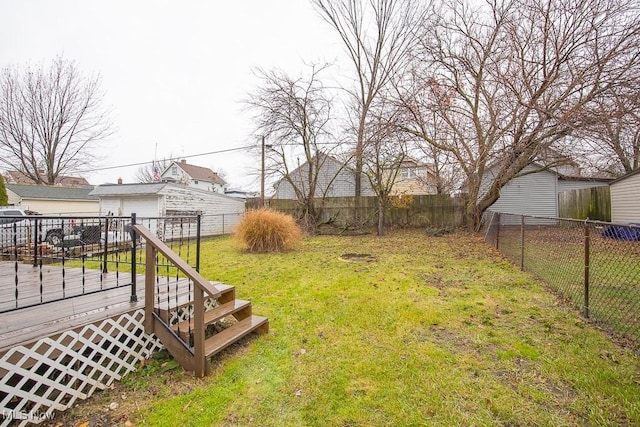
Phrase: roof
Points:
(129, 189)
(17, 177)
(623, 177)
(584, 178)
(52, 192)
(149, 189)
(198, 172)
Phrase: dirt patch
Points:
(353, 257)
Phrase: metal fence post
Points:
(586, 269)
(35, 242)
(106, 245)
(198, 234)
(134, 248)
(522, 223)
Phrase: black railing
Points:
(594, 265)
(45, 259)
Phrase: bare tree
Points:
(383, 154)
(294, 115)
(50, 120)
(378, 36)
(512, 78)
(151, 172)
(612, 141)
(443, 174)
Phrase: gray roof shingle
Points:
(52, 192)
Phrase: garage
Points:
(219, 213)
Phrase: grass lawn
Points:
(437, 331)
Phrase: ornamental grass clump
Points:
(265, 230)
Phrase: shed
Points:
(625, 198)
(220, 213)
(535, 192)
(53, 200)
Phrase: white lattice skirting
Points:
(52, 373)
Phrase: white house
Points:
(625, 198)
(53, 200)
(149, 202)
(335, 179)
(194, 176)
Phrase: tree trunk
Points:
(380, 216)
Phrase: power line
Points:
(181, 157)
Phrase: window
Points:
(195, 181)
(174, 170)
(408, 173)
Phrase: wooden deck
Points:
(27, 324)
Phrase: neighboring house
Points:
(414, 178)
(53, 200)
(335, 179)
(625, 198)
(535, 191)
(154, 200)
(17, 177)
(194, 176)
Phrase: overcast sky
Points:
(174, 73)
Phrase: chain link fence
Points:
(593, 265)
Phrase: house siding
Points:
(413, 186)
(625, 200)
(61, 207)
(220, 214)
(52, 200)
(334, 180)
(530, 194)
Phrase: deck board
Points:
(27, 324)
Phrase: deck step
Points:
(233, 333)
(227, 293)
(216, 314)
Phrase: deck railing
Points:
(50, 258)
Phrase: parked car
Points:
(19, 228)
(14, 229)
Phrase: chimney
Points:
(119, 180)
(183, 161)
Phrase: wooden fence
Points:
(433, 211)
(593, 203)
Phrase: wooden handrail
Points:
(197, 359)
(189, 271)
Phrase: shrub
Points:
(266, 230)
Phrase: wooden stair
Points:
(203, 303)
(230, 309)
(223, 339)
